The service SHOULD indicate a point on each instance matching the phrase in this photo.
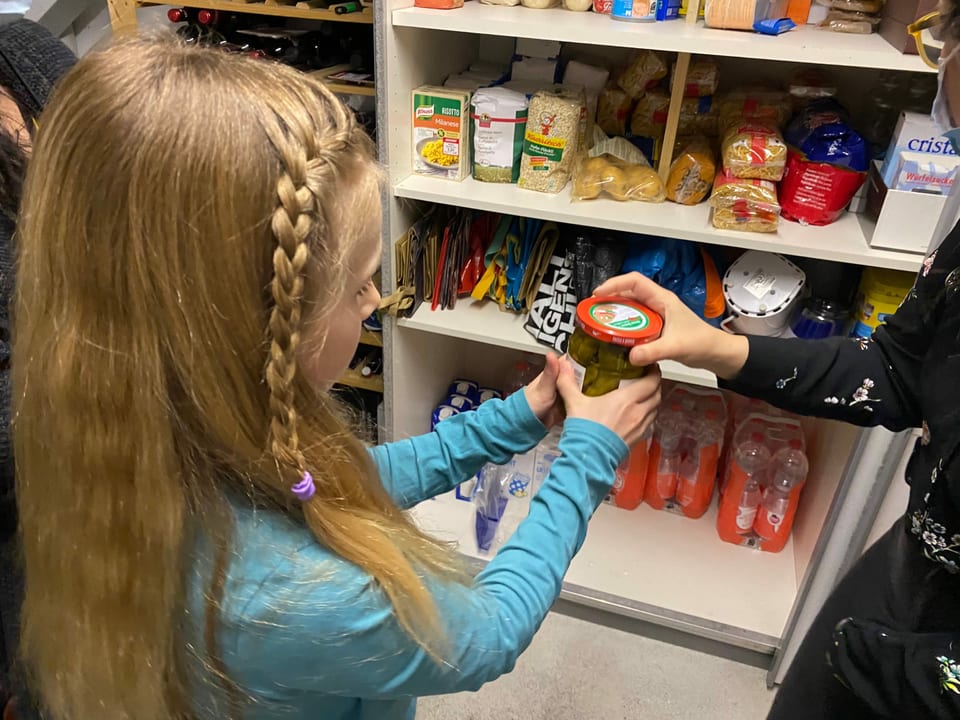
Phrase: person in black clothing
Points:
(31, 62)
(886, 644)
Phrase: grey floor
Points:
(577, 669)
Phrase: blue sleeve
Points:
(428, 465)
(340, 636)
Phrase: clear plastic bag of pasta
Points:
(729, 191)
(756, 104)
(620, 180)
(755, 150)
(613, 110)
(645, 70)
(746, 219)
(856, 23)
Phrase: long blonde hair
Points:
(174, 199)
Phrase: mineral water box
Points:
(915, 133)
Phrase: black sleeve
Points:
(864, 382)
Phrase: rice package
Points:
(499, 121)
(827, 164)
(552, 139)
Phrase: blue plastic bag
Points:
(676, 265)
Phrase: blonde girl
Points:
(203, 536)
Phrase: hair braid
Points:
(293, 223)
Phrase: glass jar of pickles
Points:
(599, 349)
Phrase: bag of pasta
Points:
(754, 150)
(645, 70)
(749, 205)
(767, 106)
(613, 110)
(703, 79)
(692, 173)
(649, 116)
(617, 168)
(699, 116)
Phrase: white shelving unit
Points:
(647, 564)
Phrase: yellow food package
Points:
(618, 179)
(645, 69)
(649, 116)
(746, 220)
(613, 110)
(703, 79)
(760, 105)
(729, 190)
(754, 150)
(692, 173)
(441, 138)
(699, 116)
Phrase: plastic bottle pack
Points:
(685, 451)
(766, 468)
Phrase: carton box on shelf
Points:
(915, 133)
(898, 219)
(441, 140)
(895, 17)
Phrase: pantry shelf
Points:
(483, 322)
(667, 569)
(354, 379)
(805, 44)
(274, 9)
(843, 241)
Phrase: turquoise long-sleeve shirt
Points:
(306, 635)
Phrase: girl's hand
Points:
(629, 411)
(542, 394)
(686, 338)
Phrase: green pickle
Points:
(607, 329)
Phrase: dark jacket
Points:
(906, 376)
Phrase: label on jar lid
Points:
(618, 321)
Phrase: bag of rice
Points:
(644, 71)
(552, 140)
(755, 150)
(499, 121)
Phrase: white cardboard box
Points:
(898, 220)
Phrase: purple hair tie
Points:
(305, 489)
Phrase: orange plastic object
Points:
(799, 11)
(632, 478)
(439, 4)
(695, 487)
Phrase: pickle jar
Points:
(606, 330)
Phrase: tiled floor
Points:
(580, 670)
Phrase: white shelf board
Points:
(674, 567)
(805, 44)
(483, 322)
(843, 241)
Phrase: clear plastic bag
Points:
(618, 179)
(746, 220)
(759, 105)
(755, 150)
(703, 79)
(855, 23)
(613, 110)
(490, 499)
(646, 68)
(730, 191)
(540, 4)
(692, 173)
(649, 116)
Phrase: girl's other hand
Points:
(629, 411)
(542, 395)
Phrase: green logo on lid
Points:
(619, 317)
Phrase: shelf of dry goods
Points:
(301, 10)
(667, 568)
(805, 44)
(483, 322)
(843, 241)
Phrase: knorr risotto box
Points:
(441, 139)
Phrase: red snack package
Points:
(815, 193)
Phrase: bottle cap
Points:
(618, 321)
(206, 17)
(176, 15)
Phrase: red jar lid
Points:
(618, 321)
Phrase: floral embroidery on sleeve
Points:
(782, 382)
(928, 263)
(861, 396)
(949, 675)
